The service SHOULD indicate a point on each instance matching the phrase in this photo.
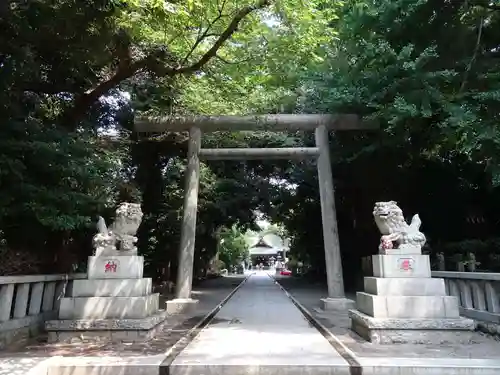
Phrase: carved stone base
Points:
(407, 307)
(181, 306)
(399, 286)
(115, 267)
(414, 331)
(402, 250)
(400, 265)
(131, 330)
(111, 287)
(114, 252)
(337, 304)
(138, 307)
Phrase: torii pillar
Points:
(333, 261)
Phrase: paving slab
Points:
(259, 331)
(23, 366)
(425, 366)
(138, 365)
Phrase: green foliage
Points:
(260, 71)
(64, 81)
(435, 101)
(277, 229)
(53, 177)
(422, 87)
(53, 182)
(476, 246)
(57, 169)
(232, 247)
(486, 253)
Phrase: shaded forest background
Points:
(75, 73)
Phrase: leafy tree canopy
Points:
(427, 71)
(232, 247)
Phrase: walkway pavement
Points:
(259, 328)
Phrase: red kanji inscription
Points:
(406, 264)
(110, 266)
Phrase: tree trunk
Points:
(64, 258)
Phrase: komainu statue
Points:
(396, 233)
(119, 238)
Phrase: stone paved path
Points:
(259, 327)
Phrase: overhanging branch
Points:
(87, 99)
(226, 34)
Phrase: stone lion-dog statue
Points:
(396, 232)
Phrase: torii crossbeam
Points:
(281, 122)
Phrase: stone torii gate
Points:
(196, 125)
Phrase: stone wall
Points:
(28, 301)
(479, 296)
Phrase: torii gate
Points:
(321, 124)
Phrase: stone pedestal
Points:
(403, 304)
(115, 302)
(181, 306)
(337, 304)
